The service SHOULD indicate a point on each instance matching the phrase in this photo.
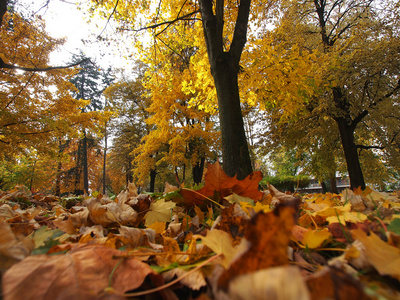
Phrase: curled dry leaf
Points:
(111, 213)
(195, 280)
(12, 248)
(169, 188)
(83, 273)
(281, 197)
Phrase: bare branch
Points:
(369, 147)
(109, 17)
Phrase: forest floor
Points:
(227, 240)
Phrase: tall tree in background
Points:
(90, 83)
(126, 97)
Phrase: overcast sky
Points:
(64, 19)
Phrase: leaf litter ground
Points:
(226, 240)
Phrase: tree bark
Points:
(347, 126)
(224, 69)
(85, 164)
(332, 181)
(3, 10)
(153, 174)
(235, 152)
(105, 160)
(350, 152)
(197, 170)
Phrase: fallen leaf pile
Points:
(226, 240)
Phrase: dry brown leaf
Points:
(268, 235)
(195, 281)
(6, 211)
(332, 283)
(169, 188)
(81, 274)
(65, 225)
(281, 197)
(111, 213)
(278, 283)
(12, 248)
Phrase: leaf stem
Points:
(171, 283)
(215, 202)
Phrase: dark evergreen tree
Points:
(90, 81)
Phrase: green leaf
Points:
(394, 226)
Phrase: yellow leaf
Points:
(221, 243)
(159, 211)
(158, 227)
(384, 258)
(348, 216)
(315, 238)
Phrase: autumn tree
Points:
(183, 136)
(126, 98)
(36, 106)
(224, 27)
(90, 82)
(346, 52)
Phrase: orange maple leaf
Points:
(216, 181)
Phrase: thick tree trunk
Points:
(347, 125)
(350, 152)
(224, 69)
(323, 186)
(235, 152)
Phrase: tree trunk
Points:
(85, 164)
(332, 181)
(324, 187)
(224, 69)
(350, 152)
(104, 160)
(153, 175)
(129, 173)
(59, 169)
(197, 170)
(235, 152)
(347, 125)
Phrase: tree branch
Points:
(370, 147)
(182, 18)
(3, 65)
(240, 33)
(109, 17)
